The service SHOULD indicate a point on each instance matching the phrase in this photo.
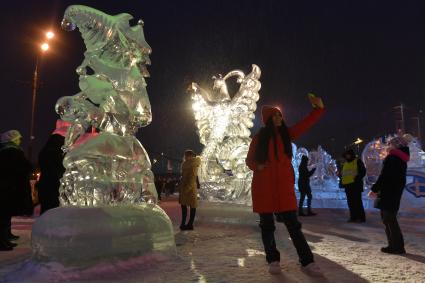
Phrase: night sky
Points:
(362, 57)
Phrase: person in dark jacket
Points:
(159, 184)
(353, 171)
(304, 186)
(388, 190)
(50, 161)
(170, 186)
(15, 188)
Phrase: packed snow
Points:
(226, 247)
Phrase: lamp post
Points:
(401, 127)
(44, 48)
(418, 126)
(358, 142)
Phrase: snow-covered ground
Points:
(226, 247)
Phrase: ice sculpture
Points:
(373, 156)
(324, 182)
(107, 193)
(326, 169)
(113, 167)
(326, 173)
(224, 124)
(375, 152)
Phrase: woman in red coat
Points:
(273, 193)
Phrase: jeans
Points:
(392, 230)
(289, 218)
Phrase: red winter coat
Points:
(273, 187)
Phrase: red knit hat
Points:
(61, 127)
(268, 111)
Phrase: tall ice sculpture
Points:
(107, 194)
(224, 124)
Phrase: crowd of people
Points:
(166, 184)
(17, 198)
(273, 193)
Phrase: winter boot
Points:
(310, 213)
(189, 225)
(11, 236)
(4, 246)
(274, 267)
(184, 215)
(390, 250)
(313, 270)
(301, 212)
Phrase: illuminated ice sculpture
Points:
(326, 173)
(325, 181)
(325, 177)
(113, 167)
(107, 192)
(373, 156)
(375, 152)
(224, 124)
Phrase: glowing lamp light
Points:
(50, 34)
(358, 141)
(44, 47)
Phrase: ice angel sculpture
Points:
(113, 167)
(224, 124)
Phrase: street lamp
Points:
(50, 35)
(418, 124)
(44, 47)
(357, 142)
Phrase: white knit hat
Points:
(10, 136)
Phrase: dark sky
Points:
(362, 57)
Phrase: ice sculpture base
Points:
(237, 191)
(75, 236)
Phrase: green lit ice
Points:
(113, 167)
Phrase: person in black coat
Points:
(351, 179)
(159, 184)
(50, 161)
(15, 188)
(388, 190)
(304, 186)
